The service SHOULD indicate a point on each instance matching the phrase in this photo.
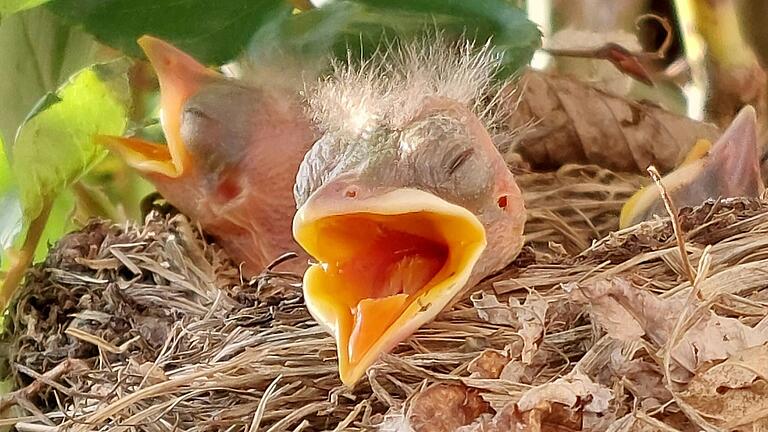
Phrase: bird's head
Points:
(181, 79)
(404, 201)
(233, 149)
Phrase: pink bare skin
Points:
(232, 156)
(403, 216)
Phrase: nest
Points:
(150, 328)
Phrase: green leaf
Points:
(10, 206)
(6, 179)
(39, 52)
(12, 222)
(340, 26)
(8, 7)
(212, 32)
(55, 147)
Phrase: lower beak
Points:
(145, 156)
(387, 265)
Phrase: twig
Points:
(25, 255)
(99, 342)
(626, 61)
(676, 227)
(263, 404)
(34, 427)
(30, 391)
(661, 52)
(282, 259)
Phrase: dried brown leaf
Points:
(734, 393)
(572, 403)
(570, 390)
(643, 379)
(566, 121)
(445, 408)
(489, 364)
(515, 371)
(528, 317)
(531, 316)
(607, 306)
(628, 313)
(490, 309)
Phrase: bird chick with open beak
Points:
(729, 168)
(404, 201)
(232, 154)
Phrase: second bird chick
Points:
(728, 168)
(233, 150)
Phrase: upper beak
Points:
(180, 76)
(730, 168)
(388, 263)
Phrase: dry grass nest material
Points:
(150, 328)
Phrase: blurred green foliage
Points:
(55, 145)
(39, 52)
(54, 148)
(360, 26)
(214, 32)
(9, 7)
(10, 205)
(53, 175)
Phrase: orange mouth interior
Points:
(383, 268)
(379, 271)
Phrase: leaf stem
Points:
(25, 255)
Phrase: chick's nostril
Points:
(350, 193)
(502, 202)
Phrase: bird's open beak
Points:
(728, 168)
(388, 264)
(180, 77)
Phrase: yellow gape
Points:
(385, 271)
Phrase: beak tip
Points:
(145, 42)
(752, 114)
(349, 378)
(174, 65)
(747, 116)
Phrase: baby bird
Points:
(729, 168)
(232, 155)
(404, 201)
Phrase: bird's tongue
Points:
(372, 317)
(408, 272)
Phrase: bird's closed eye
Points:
(459, 160)
(196, 112)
